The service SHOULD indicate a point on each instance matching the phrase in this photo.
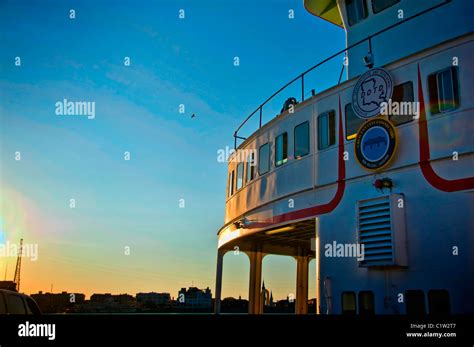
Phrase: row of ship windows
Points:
(443, 95)
(357, 9)
(364, 302)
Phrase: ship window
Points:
(415, 302)
(443, 89)
(438, 302)
(366, 303)
(356, 10)
(264, 159)
(301, 140)
(403, 96)
(380, 5)
(326, 129)
(240, 175)
(353, 123)
(250, 166)
(349, 303)
(231, 183)
(281, 149)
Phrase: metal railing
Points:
(301, 76)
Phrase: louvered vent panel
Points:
(375, 231)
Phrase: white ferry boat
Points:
(373, 179)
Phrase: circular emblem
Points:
(375, 143)
(373, 87)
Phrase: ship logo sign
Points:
(371, 90)
(375, 144)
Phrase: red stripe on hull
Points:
(424, 149)
(430, 175)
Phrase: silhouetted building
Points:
(102, 298)
(267, 296)
(194, 297)
(284, 306)
(8, 285)
(312, 305)
(58, 302)
(109, 303)
(121, 299)
(233, 305)
(153, 299)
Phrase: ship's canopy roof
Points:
(325, 9)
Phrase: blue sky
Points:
(136, 203)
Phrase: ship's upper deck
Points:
(300, 164)
(260, 190)
(384, 32)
